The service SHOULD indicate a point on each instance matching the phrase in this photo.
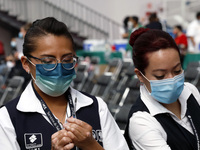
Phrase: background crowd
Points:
(117, 81)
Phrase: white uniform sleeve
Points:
(113, 138)
(191, 31)
(146, 133)
(7, 132)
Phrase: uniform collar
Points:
(82, 100)
(29, 102)
(155, 107)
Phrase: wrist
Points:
(93, 145)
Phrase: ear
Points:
(139, 75)
(25, 64)
(143, 80)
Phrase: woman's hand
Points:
(61, 141)
(81, 134)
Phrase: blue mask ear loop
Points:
(147, 80)
(33, 65)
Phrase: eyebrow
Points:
(46, 55)
(179, 64)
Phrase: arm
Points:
(146, 132)
(192, 40)
(191, 32)
(7, 132)
(112, 136)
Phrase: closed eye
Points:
(177, 72)
(159, 77)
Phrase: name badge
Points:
(33, 141)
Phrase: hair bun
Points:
(136, 34)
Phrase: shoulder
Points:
(191, 87)
(183, 36)
(193, 90)
(3, 112)
(11, 106)
(193, 23)
(98, 100)
(142, 118)
(7, 131)
(143, 124)
(13, 102)
(5, 120)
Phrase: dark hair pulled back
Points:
(144, 41)
(41, 28)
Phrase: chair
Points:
(82, 67)
(119, 89)
(193, 64)
(80, 80)
(192, 75)
(128, 97)
(93, 71)
(95, 60)
(114, 66)
(12, 90)
(121, 117)
(125, 65)
(129, 73)
(103, 85)
(5, 73)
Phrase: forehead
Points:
(52, 44)
(163, 59)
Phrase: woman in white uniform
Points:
(50, 114)
(166, 114)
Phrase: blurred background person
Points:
(133, 25)
(124, 31)
(1, 49)
(14, 59)
(181, 41)
(193, 34)
(166, 113)
(154, 22)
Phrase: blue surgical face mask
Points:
(13, 44)
(54, 82)
(167, 91)
(20, 35)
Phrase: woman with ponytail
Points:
(165, 116)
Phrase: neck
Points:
(175, 108)
(57, 105)
(135, 25)
(179, 33)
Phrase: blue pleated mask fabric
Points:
(167, 91)
(54, 82)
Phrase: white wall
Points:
(118, 9)
(172, 11)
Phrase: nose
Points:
(59, 61)
(170, 75)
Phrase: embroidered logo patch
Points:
(33, 140)
(97, 134)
